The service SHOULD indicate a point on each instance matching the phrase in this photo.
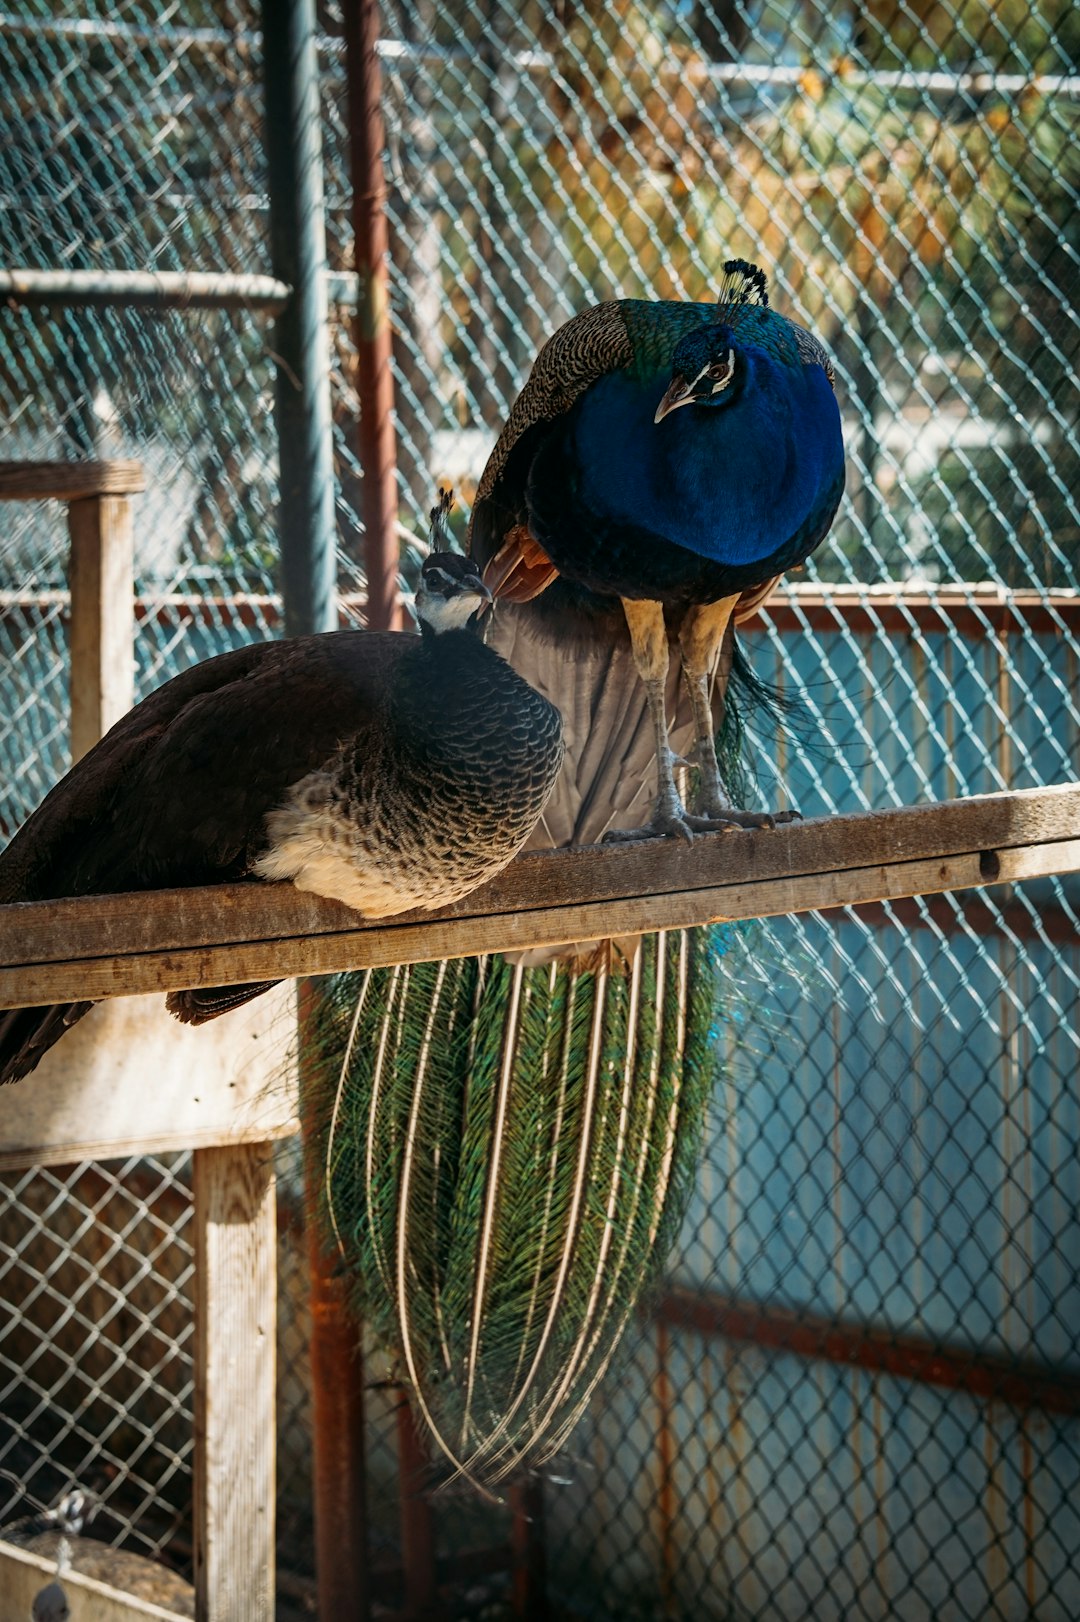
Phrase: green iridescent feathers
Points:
(508, 1154)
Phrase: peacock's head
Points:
(704, 367)
(451, 593)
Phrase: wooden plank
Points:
(69, 481)
(236, 959)
(235, 1367)
(23, 1575)
(101, 573)
(130, 1079)
(87, 927)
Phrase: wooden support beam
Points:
(69, 481)
(101, 573)
(235, 1366)
(112, 946)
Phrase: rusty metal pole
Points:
(308, 570)
(337, 1385)
(375, 385)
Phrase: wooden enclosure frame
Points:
(235, 1216)
(112, 946)
(123, 945)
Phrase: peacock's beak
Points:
(520, 569)
(484, 599)
(678, 394)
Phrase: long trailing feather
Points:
(509, 1147)
(511, 1198)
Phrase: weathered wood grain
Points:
(69, 481)
(101, 575)
(235, 1366)
(23, 1575)
(90, 1098)
(44, 931)
(117, 945)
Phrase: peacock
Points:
(507, 1145)
(664, 463)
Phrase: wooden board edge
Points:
(23, 1575)
(70, 481)
(379, 947)
(179, 920)
(69, 1154)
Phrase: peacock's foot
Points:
(669, 820)
(714, 818)
(665, 825)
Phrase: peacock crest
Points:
(741, 286)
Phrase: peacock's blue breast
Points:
(734, 483)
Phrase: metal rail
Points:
(166, 289)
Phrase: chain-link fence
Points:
(857, 1396)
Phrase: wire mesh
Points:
(893, 1172)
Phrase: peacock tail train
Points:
(509, 1152)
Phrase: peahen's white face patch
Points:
(451, 613)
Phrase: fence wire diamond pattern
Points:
(893, 1170)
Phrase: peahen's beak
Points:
(678, 394)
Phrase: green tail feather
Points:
(509, 1152)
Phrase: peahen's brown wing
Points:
(175, 793)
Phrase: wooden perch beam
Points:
(111, 946)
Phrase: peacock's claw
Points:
(664, 825)
(719, 821)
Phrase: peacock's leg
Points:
(701, 639)
(649, 642)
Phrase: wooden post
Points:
(235, 1368)
(235, 1216)
(101, 576)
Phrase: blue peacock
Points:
(508, 1146)
(677, 458)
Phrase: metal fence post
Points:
(302, 331)
(375, 384)
(308, 577)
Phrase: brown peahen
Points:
(382, 769)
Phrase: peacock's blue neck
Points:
(732, 483)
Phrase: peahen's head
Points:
(451, 593)
(704, 370)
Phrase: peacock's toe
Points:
(715, 818)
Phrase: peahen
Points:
(675, 458)
(385, 770)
